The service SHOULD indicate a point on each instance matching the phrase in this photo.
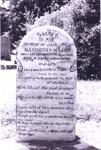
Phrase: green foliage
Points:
(86, 16)
(93, 46)
(81, 21)
(5, 23)
(80, 18)
(25, 9)
(61, 18)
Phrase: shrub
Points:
(86, 16)
(5, 22)
(24, 9)
(76, 19)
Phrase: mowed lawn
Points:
(88, 108)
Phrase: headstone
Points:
(46, 85)
(5, 48)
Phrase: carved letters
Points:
(46, 85)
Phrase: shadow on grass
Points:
(77, 144)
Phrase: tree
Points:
(35, 8)
(4, 23)
(5, 18)
(86, 16)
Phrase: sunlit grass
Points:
(88, 101)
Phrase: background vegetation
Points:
(88, 112)
(80, 18)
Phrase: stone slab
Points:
(46, 85)
(5, 48)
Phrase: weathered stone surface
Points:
(46, 85)
(5, 48)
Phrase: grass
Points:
(88, 97)
(88, 104)
(88, 101)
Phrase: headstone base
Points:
(77, 144)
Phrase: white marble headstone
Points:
(46, 85)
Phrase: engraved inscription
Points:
(46, 85)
